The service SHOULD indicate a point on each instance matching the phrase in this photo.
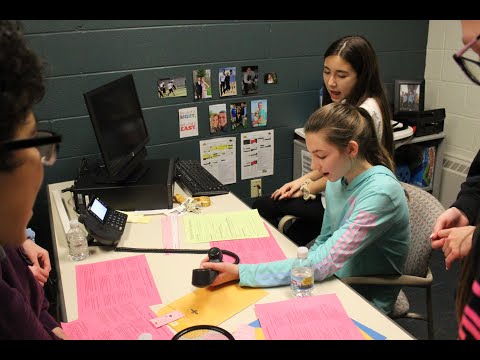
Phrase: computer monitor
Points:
(117, 119)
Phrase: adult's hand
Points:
(60, 333)
(457, 243)
(450, 218)
(40, 260)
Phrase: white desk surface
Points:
(173, 272)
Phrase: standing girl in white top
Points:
(351, 75)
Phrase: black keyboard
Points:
(197, 180)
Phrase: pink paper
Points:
(167, 318)
(252, 251)
(167, 232)
(244, 332)
(119, 322)
(115, 282)
(320, 317)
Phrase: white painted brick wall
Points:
(447, 86)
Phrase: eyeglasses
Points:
(47, 143)
(470, 67)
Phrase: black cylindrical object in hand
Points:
(205, 277)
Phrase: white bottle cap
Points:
(302, 252)
(145, 336)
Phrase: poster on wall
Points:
(218, 157)
(188, 122)
(257, 154)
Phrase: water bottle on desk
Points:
(77, 241)
(302, 280)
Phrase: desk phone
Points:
(103, 224)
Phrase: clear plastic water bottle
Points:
(302, 279)
(77, 241)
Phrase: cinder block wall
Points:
(448, 87)
(84, 54)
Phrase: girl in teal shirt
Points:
(366, 229)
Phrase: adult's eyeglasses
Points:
(470, 67)
(47, 143)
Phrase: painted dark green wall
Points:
(84, 54)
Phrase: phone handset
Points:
(205, 277)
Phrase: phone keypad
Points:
(116, 219)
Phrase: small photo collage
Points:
(222, 118)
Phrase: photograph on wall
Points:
(227, 84)
(238, 115)
(202, 84)
(270, 78)
(259, 112)
(249, 80)
(218, 118)
(171, 87)
(188, 122)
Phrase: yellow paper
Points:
(137, 218)
(211, 306)
(365, 335)
(244, 224)
(259, 335)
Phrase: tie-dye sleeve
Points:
(325, 233)
(266, 274)
(278, 272)
(369, 220)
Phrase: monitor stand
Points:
(101, 175)
(154, 190)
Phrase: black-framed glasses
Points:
(47, 143)
(470, 67)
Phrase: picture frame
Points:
(409, 96)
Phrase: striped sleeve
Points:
(469, 328)
(370, 218)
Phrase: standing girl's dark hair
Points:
(341, 123)
(359, 53)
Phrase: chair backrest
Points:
(424, 210)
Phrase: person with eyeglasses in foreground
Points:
(456, 230)
(24, 151)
